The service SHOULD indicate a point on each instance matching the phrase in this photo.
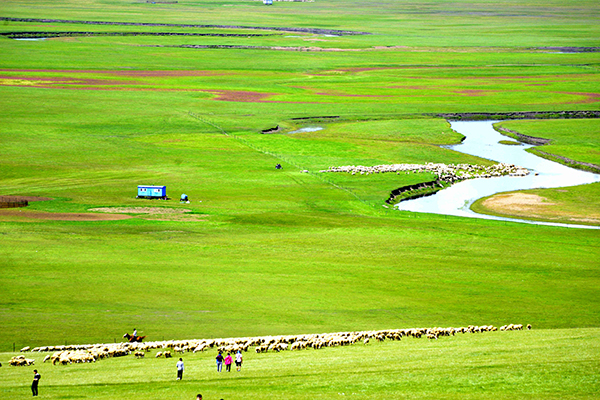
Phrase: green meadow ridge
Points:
(114, 98)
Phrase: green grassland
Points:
(261, 251)
(506, 365)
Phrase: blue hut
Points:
(152, 192)
(268, 2)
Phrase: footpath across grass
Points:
(549, 364)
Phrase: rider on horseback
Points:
(134, 337)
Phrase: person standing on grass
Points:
(228, 361)
(36, 380)
(180, 369)
(219, 362)
(238, 360)
(199, 397)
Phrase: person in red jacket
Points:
(228, 361)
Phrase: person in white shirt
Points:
(238, 360)
(180, 369)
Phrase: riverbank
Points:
(482, 140)
(560, 139)
(488, 116)
(550, 205)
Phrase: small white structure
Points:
(268, 2)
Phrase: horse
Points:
(133, 338)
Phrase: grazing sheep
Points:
(201, 347)
(88, 353)
(261, 349)
(20, 361)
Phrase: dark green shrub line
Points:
(537, 141)
(286, 29)
(480, 116)
(34, 35)
(415, 191)
(522, 138)
(566, 161)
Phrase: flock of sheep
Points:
(90, 353)
(447, 172)
(20, 361)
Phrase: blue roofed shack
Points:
(152, 192)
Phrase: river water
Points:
(482, 141)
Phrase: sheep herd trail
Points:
(74, 354)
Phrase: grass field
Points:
(260, 251)
(530, 364)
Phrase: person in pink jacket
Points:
(228, 361)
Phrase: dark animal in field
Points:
(132, 339)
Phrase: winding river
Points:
(483, 141)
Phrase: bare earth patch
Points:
(531, 205)
(240, 96)
(29, 215)
(140, 210)
(155, 213)
(128, 73)
(475, 92)
(103, 214)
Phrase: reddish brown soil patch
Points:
(130, 73)
(357, 69)
(337, 94)
(159, 74)
(240, 96)
(155, 213)
(140, 210)
(591, 98)
(101, 84)
(39, 215)
(410, 87)
(23, 198)
(84, 83)
(49, 82)
(474, 92)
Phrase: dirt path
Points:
(104, 214)
(31, 215)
